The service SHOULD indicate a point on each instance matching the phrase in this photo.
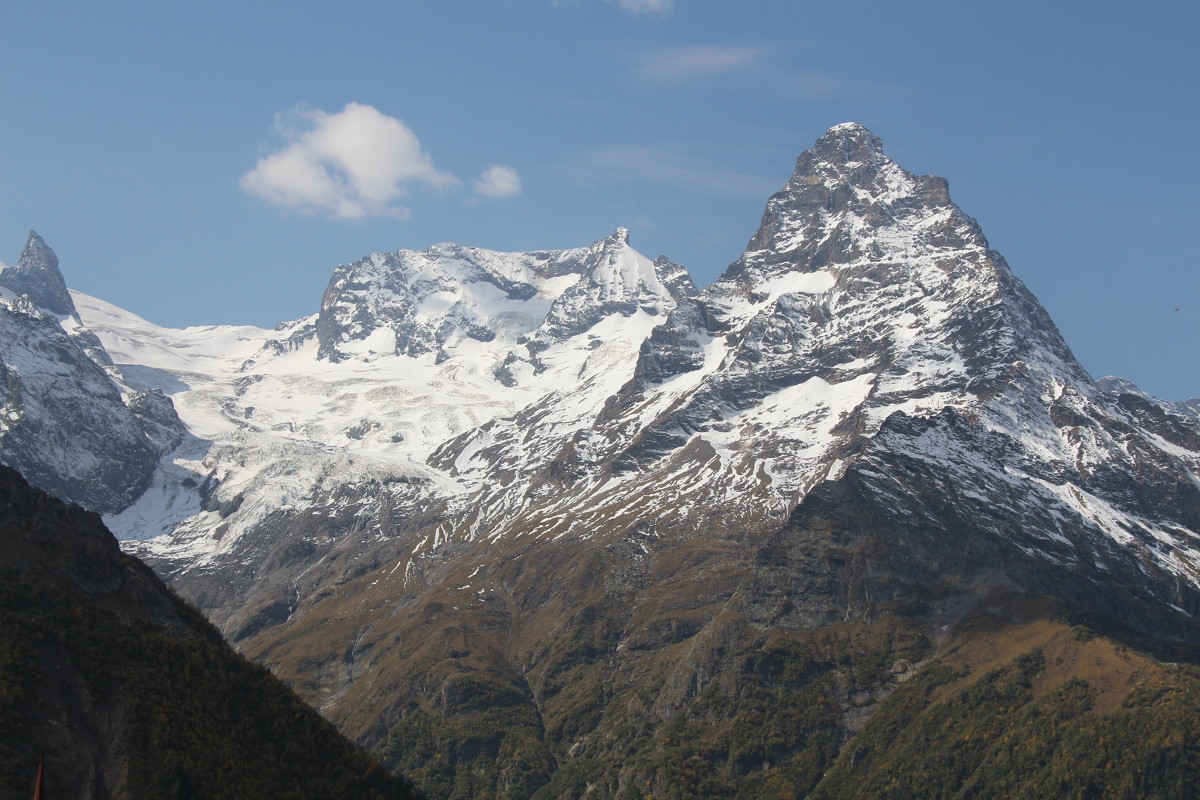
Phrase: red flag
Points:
(37, 789)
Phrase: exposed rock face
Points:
(424, 300)
(1119, 387)
(414, 304)
(36, 276)
(65, 423)
(543, 509)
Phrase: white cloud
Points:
(646, 6)
(498, 181)
(354, 163)
(683, 64)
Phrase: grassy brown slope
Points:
(732, 662)
(680, 695)
(1022, 703)
(562, 665)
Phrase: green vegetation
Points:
(767, 723)
(1010, 734)
(771, 723)
(1018, 703)
(502, 740)
(108, 670)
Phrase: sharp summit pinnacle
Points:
(36, 274)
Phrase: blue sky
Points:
(173, 154)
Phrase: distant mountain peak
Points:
(848, 143)
(849, 129)
(1115, 383)
(428, 301)
(845, 189)
(36, 274)
(37, 251)
(1116, 386)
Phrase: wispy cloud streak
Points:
(632, 163)
(693, 63)
(757, 66)
(647, 6)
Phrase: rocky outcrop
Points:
(37, 277)
(67, 424)
(417, 303)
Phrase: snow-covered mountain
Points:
(410, 350)
(537, 392)
(69, 423)
(1117, 387)
(536, 472)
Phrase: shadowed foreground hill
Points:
(131, 692)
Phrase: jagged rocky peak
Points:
(614, 269)
(675, 277)
(67, 421)
(842, 184)
(37, 276)
(417, 302)
(1114, 384)
(857, 258)
(427, 302)
(614, 278)
(847, 144)
(1124, 391)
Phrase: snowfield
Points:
(541, 394)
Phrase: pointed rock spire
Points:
(675, 277)
(38, 254)
(847, 174)
(36, 274)
(614, 279)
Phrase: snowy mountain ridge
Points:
(68, 422)
(538, 392)
(409, 350)
(510, 470)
